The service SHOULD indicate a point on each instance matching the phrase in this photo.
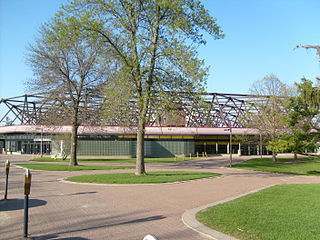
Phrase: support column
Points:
(61, 148)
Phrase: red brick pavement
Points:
(62, 210)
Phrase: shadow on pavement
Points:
(17, 204)
(82, 193)
(56, 237)
(202, 163)
(96, 225)
(147, 219)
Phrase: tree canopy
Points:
(269, 114)
(67, 66)
(302, 119)
(152, 45)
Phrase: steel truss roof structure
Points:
(197, 110)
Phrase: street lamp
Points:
(230, 144)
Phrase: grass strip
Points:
(150, 177)
(302, 166)
(63, 167)
(281, 212)
(115, 160)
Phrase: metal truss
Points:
(193, 110)
(26, 109)
(222, 110)
(44, 108)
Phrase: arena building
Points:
(215, 129)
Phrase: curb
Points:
(189, 218)
(63, 180)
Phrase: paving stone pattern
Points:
(60, 210)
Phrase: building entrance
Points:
(32, 147)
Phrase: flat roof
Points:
(125, 130)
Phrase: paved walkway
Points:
(62, 210)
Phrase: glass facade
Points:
(112, 145)
(25, 143)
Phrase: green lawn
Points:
(115, 160)
(281, 212)
(151, 177)
(302, 166)
(63, 167)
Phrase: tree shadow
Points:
(317, 173)
(17, 204)
(200, 164)
(70, 194)
(97, 224)
(56, 237)
(141, 220)
(81, 193)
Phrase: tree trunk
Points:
(74, 139)
(140, 168)
(274, 157)
(295, 156)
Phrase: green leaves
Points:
(309, 94)
(297, 142)
(148, 47)
(301, 118)
(147, 43)
(67, 65)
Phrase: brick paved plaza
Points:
(61, 210)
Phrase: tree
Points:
(297, 142)
(270, 112)
(153, 47)
(67, 66)
(301, 119)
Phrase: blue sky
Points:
(260, 39)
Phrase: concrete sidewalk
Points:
(61, 210)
